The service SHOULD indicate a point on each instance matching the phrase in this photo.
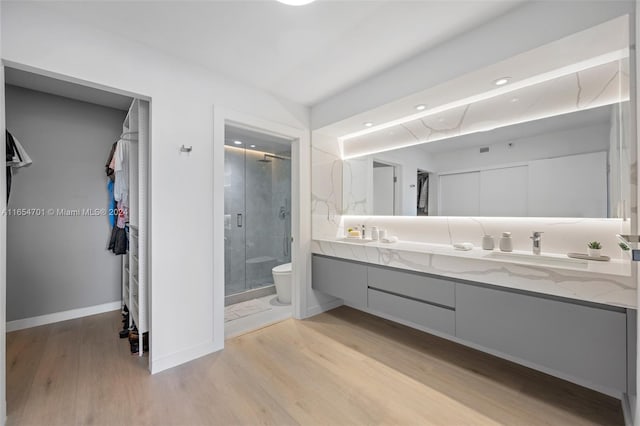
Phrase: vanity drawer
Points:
(581, 341)
(340, 278)
(424, 314)
(416, 286)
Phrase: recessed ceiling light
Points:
(252, 146)
(368, 124)
(440, 120)
(421, 107)
(514, 100)
(238, 142)
(502, 81)
(296, 2)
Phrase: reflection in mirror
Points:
(562, 166)
(553, 142)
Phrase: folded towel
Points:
(390, 239)
(463, 246)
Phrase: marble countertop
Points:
(554, 274)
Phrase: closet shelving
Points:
(135, 292)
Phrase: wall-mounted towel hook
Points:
(186, 148)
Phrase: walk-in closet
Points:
(77, 185)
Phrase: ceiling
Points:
(65, 89)
(305, 54)
(256, 141)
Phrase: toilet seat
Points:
(285, 268)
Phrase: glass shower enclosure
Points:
(257, 197)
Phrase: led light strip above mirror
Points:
(452, 107)
(591, 83)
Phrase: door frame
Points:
(300, 209)
(3, 204)
(398, 197)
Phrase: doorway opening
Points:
(257, 226)
(78, 243)
(422, 201)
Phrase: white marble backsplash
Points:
(326, 185)
(561, 235)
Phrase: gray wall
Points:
(57, 263)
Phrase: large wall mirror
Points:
(544, 134)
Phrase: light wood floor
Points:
(343, 367)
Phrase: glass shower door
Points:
(234, 221)
(257, 211)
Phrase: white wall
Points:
(57, 263)
(183, 195)
(531, 25)
(548, 145)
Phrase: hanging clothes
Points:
(112, 204)
(16, 157)
(424, 190)
(117, 169)
(118, 242)
(121, 171)
(109, 170)
(422, 201)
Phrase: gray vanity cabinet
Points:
(343, 279)
(573, 339)
(415, 285)
(430, 316)
(588, 342)
(418, 298)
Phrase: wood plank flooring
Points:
(342, 367)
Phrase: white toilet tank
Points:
(282, 280)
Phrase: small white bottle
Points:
(382, 234)
(506, 243)
(375, 235)
(487, 242)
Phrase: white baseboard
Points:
(184, 356)
(62, 316)
(318, 309)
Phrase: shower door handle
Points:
(239, 220)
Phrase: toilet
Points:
(282, 280)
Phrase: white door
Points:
(459, 194)
(383, 190)
(503, 192)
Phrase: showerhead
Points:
(265, 159)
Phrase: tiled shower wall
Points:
(258, 191)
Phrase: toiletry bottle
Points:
(506, 243)
(488, 243)
(375, 235)
(363, 233)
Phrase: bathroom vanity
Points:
(535, 159)
(575, 337)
